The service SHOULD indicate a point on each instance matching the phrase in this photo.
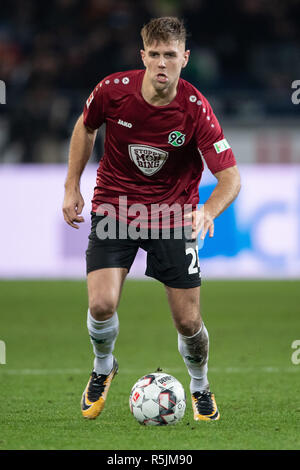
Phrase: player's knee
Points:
(102, 309)
(188, 326)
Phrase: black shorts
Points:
(173, 261)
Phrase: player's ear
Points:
(186, 57)
(143, 55)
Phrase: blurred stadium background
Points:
(245, 56)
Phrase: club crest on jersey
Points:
(176, 138)
(149, 160)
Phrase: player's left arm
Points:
(224, 193)
(218, 155)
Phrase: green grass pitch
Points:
(252, 325)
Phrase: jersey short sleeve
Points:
(93, 112)
(212, 144)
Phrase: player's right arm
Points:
(81, 147)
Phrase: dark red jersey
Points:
(153, 154)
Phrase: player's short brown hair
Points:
(163, 29)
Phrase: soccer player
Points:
(159, 131)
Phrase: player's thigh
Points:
(185, 308)
(104, 291)
(173, 260)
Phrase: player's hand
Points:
(202, 221)
(72, 207)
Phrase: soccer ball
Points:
(157, 399)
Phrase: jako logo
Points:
(296, 95)
(124, 123)
(2, 92)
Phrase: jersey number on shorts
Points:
(194, 264)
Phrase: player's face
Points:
(163, 62)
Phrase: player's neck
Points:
(158, 97)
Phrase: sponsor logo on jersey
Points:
(221, 146)
(176, 138)
(149, 160)
(124, 123)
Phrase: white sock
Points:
(103, 335)
(194, 351)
